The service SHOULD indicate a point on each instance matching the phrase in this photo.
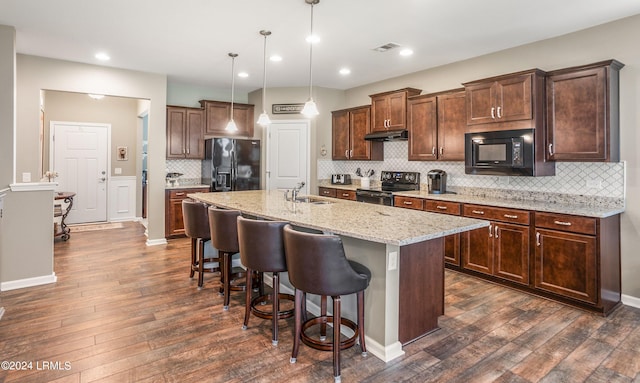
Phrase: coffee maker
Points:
(437, 181)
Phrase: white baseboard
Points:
(28, 282)
(156, 242)
(631, 301)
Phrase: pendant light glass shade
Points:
(231, 125)
(263, 119)
(310, 108)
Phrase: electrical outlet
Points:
(594, 184)
(26, 177)
(393, 260)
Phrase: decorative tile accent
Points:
(592, 179)
(189, 168)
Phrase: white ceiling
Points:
(188, 40)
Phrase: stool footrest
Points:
(282, 314)
(325, 345)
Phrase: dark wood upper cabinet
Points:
(389, 109)
(185, 137)
(349, 126)
(513, 101)
(583, 113)
(436, 124)
(217, 116)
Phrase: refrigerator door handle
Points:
(233, 170)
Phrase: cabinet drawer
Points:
(182, 193)
(408, 202)
(346, 194)
(497, 214)
(570, 223)
(327, 192)
(442, 207)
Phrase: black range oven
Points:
(390, 182)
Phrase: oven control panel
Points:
(400, 177)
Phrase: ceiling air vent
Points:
(386, 47)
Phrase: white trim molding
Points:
(628, 300)
(28, 282)
(156, 242)
(33, 186)
(122, 198)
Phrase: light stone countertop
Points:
(547, 206)
(186, 187)
(375, 223)
(551, 203)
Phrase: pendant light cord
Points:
(233, 79)
(311, 56)
(264, 77)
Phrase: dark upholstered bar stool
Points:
(262, 250)
(196, 227)
(223, 225)
(317, 265)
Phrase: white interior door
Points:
(80, 156)
(288, 155)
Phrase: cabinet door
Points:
(452, 125)
(346, 194)
(397, 110)
(576, 116)
(379, 113)
(452, 249)
(480, 100)
(327, 192)
(566, 264)
(422, 124)
(194, 134)
(174, 225)
(511, 252)
(359, 126)
(477, 250)
(176, 124)
(513, 99)
(217, 116)
(340, 135)
(243, 117)
(408, 202)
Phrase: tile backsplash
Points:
(595, 179)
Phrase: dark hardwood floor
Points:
(125, 312)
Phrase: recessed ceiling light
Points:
(313, 39)
(275, 58)
(102, 56)
(406, 52)
(345, 71)
(243, 74)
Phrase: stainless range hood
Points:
(389, 135)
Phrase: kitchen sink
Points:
(312, 200)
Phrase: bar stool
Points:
(317, 265)
(196, 227)
(262, 250)
(223, 225)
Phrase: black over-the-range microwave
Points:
(506, 153)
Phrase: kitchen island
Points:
(403, 249)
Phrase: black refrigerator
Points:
(231, 164)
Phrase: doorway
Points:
(288, 160)
(79, 155)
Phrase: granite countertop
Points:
(545, 202)
(186, 187)
(544, 206)
(376, 223)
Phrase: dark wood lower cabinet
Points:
(173, 221)
(511, 252)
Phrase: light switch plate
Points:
(393, 260)
(117, 171)
(26, 177)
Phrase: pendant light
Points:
(310, 109)
(231, 126)
(263, 119)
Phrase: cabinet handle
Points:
(408, 203)
(537, 239)
(441, 207)
(496, 231)
(433, 151)
(179, 194)
(188, 151)
(345, 194)
(511, 216)
(550, 149)
(562, 223)
(351, 153)
(477, 212)
(490, 231)
(441, 150)
(499, 113)
(493, 112)
(346, 153)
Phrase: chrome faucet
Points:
(296, 190)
